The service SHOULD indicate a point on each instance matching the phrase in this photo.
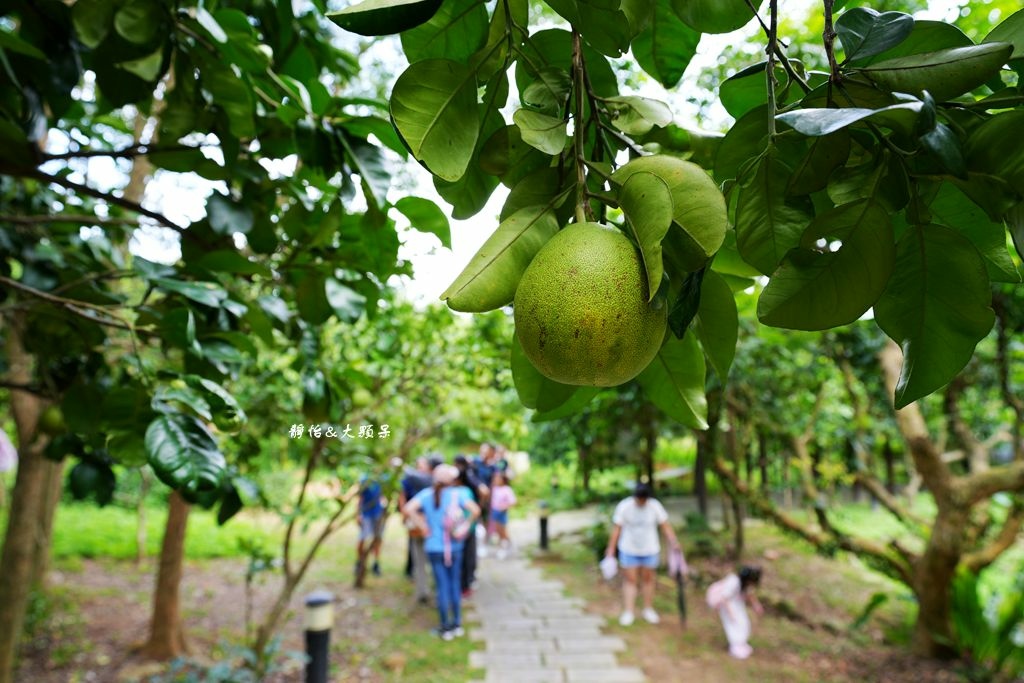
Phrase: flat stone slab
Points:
(617, 675)
(589, 660)
(514, 646)
(526, 676)
(504, 660)
(530, 631)
(599, 644)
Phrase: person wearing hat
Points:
(637, 520)
(445, 512)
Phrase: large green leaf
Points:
(664, 49)
(698, 205)
(456, 31)
(717, 322)
(311, 298)
(954, 210)
(926, 36)
(206, 293)
(534, 389)
(744, 90)
(865, 32)
(434, 107)
(575, 404)
(647, 202)
(140, 21)
(637, 115)
(92, 20)
(548, 93)
(543, 132)
(745, 141)
(824, 121)
(674, 381)
(346, 303)
(714, 16)
(228, 216)
(504, 154)
(768, 223)
(184, 455)
(602, 24)
(553, 48)
(490, 279)
(818, 289)
(1010, 30)
(989, 149)
(936, 307)
(826, 154)
(383, 17)
(425, 216)
(470, 193)
(944, 73)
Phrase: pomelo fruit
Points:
(581, 309)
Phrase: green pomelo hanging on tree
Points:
(581, 309)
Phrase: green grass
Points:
(85, 530)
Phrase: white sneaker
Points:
(650, 616)
(502, 553)
(481, 551)
(626, 619)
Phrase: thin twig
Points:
(80, 308)
(105, 196)
(779, 45)
(69, 218)
(829, 38)
(772, 83)
(130, 152)
(583, 210)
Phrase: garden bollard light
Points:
(319, 618)
(543, 525)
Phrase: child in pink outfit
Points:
(729, 597)
(502, 498)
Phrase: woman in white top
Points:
(635, 535)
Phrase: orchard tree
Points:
(890, 180)
(208, 101)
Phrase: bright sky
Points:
(182, 197)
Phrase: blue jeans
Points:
(449, 588)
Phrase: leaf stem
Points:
(583, 209)
(772, 83)
(829, 38)
(779, 45)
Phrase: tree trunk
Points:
(584, 466)
(266, 630)
(700, 480)
(851, 466)
(890, 467)
(787, 492)
(933, 581)
(19, 557)
(762, 459)
(52, 488)
(166, 634)
(650, 428)
(140, 521)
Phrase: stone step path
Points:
(531, 632)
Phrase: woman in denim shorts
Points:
(635, 535)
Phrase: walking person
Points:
(481, 493)
(414, 481)
(729, 596)
(445, 512)
(502, 498)
(370, 517)
(637, 520)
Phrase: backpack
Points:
(456, 524)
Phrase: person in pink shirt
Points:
(502, 498)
